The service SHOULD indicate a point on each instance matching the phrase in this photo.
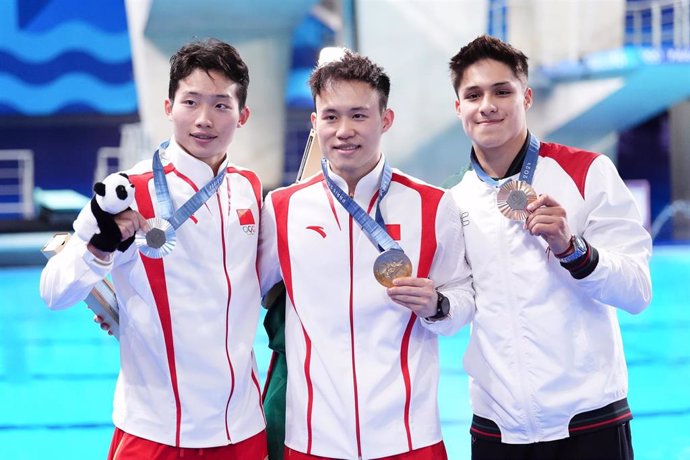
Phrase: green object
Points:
(60, 200)
(276, 381)
(456, 178)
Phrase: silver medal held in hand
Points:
(158, 241)
(513, 198)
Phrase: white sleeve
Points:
(450, 271)
(69, 276)
(613, 226)
(269, 266)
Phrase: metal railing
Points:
(17, 182)
(107, 162)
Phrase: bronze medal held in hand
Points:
(390, 265)
(513, 198)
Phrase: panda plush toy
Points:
(112, 196)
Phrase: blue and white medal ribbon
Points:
(514, 196)
(392, 262)
(159, 240)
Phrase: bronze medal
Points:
(158, 241)
(513, 198)
(390, 265)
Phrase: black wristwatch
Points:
(442, 308)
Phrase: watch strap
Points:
(579, 249)
(581, 267)
(442, 308)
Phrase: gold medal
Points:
(513, 198)
(158, 241)
(390, 265)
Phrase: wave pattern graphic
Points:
(71, 62)
(66, 37)
(41, 15)
(68, 90)
(45, 72)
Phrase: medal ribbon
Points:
(528, 165)
(374, 229)
(185, 211)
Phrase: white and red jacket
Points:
(188, 375)
(362, 370)
(545, 346)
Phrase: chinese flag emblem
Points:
(394, 231)
(246, 216)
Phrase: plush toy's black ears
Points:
(99, 188)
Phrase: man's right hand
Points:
(128, 222)
(105, 326)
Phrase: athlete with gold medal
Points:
(362, 358)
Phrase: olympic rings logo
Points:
(249, 229)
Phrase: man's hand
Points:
(105, 326)
(548, 219)
(128, 222)
(417, 294)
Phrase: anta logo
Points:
(318, 229)
(247, 221)
(392, 229)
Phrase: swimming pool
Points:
(58, 371)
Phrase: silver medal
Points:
(158, 241)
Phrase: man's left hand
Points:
(549, 220)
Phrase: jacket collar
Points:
(196, 170)
(367, 185)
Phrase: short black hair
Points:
(210, 54)
(487, 47)
(351, 67)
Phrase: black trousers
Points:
(612, 443)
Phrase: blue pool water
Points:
(58, 370)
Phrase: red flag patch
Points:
(394, 231)
(246, 216)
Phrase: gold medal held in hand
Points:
(513, 198)
(391, 264)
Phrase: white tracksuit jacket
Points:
(545, 346)
(363, 370)
(188, 375)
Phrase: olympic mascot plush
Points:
(113, 195)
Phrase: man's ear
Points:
(458, 113)
(388, 117)
(167, 106)
(528, 98)
(99, 188)
(244, 116)
(313, 120)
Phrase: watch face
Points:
(444, 305)
(580, 249)
(580, 244)
(442, 308)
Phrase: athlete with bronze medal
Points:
(515, 195)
